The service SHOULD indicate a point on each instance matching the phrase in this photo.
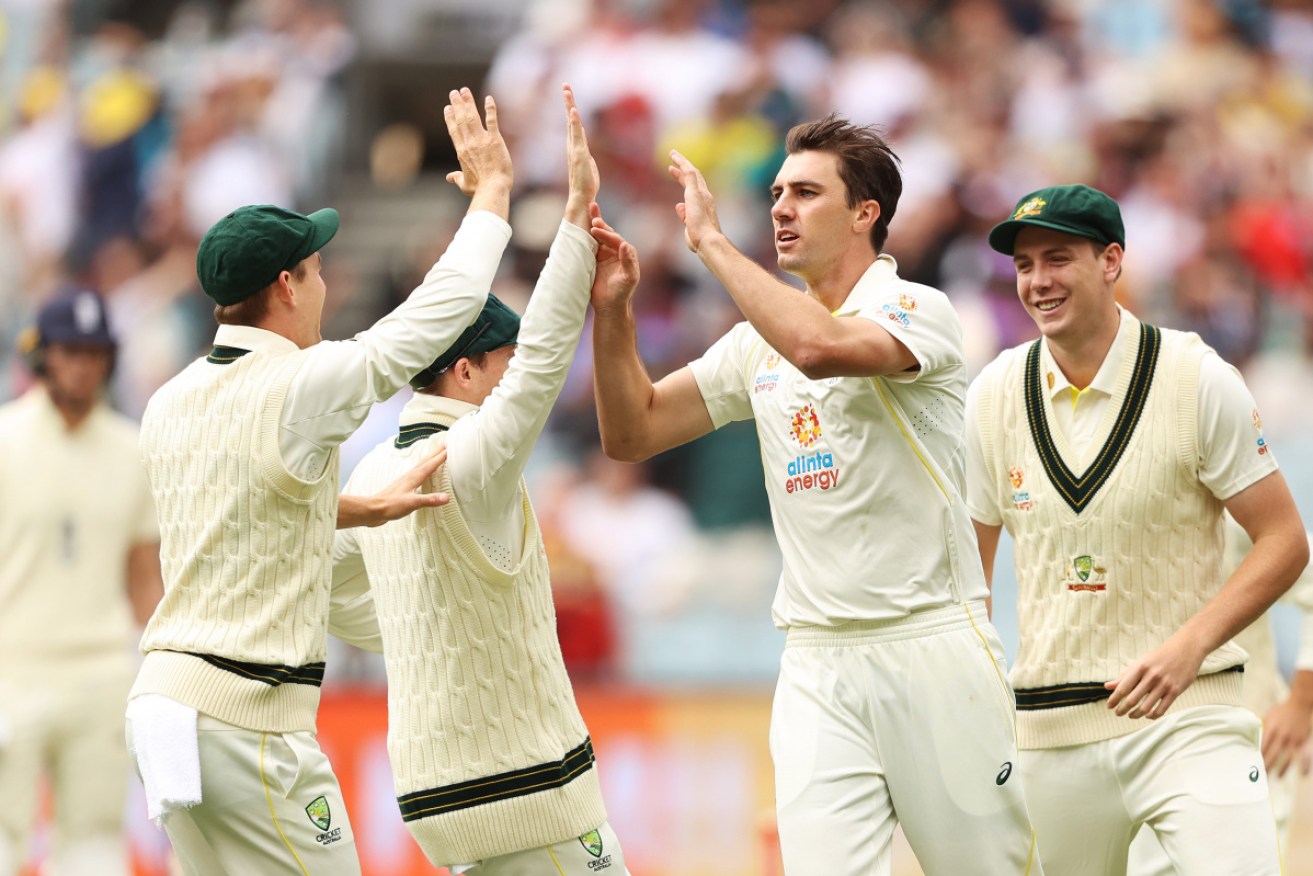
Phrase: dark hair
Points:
(253, 310)
(868, 167)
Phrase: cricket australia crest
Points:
(592, 842)
(319, 814)
(1086, 574)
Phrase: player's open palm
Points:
(698, 209)
(1148, 686)
(480, 149)
(617, 267)
(584, 178)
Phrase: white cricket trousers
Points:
(1195, 778)
(909, 721)
(596, 853)
(270, 805)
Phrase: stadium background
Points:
(130, 125)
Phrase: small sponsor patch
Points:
(592, 841)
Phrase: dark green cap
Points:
(495, 327)
(1078, 210)
(247, 249)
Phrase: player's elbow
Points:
(815, 358)
(628, 448)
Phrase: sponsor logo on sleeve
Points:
(1021, 499)
(1258, 425)
(769, 379)
(900, 311)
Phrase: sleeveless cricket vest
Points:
(246, 547)
(1112, 560)
(489, 752)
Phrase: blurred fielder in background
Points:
(241, 449)
(1286, 710)
(79, 571)
(1109, 449)
(891, 705)
(492, 762)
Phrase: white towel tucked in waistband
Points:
(163, 734)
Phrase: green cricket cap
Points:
(495, 327)
(246, 250)
(1074, 209)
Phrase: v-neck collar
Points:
(1133, 381)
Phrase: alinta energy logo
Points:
(769, 379)
(901, 311)
(814, 472)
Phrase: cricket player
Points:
(79, 573)
(492, 762)
(1286, 710)
(1109, 449)
(892, 704)
(241, 451)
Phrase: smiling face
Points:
(816, 230)
(1065, 283)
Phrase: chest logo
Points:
(769, 379)
(805, 426)
(1085, 575)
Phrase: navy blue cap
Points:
(74, 316)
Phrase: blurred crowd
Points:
(121, 146)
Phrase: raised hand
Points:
(617, 267)
(485, 162)
(584, 180)
(698, 209)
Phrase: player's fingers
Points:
(607, 237)
(681, 211)
(1305, 760)
(490, 113)
(422, 472)
(456, 178)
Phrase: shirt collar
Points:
(1124, 343)
(248, 337)
(425, 408)
(882, 272)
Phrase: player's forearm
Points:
(795, 325)
(513, 417)
(145, 582)
(1266, 573)
(355, 511)
(621, 385)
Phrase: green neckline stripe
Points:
(222, 355)
(1079, 491)
(417, 432)
(504, 786)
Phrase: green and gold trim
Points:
(1074, 694)
(1079, 491)
(222, 355)
(417, 432)
(504, 786)
(270, 674)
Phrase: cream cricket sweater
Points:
(246, 546)
(489, 752)
(1114, 560)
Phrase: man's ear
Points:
(868, 212)
(461, 371)
(284, 291)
